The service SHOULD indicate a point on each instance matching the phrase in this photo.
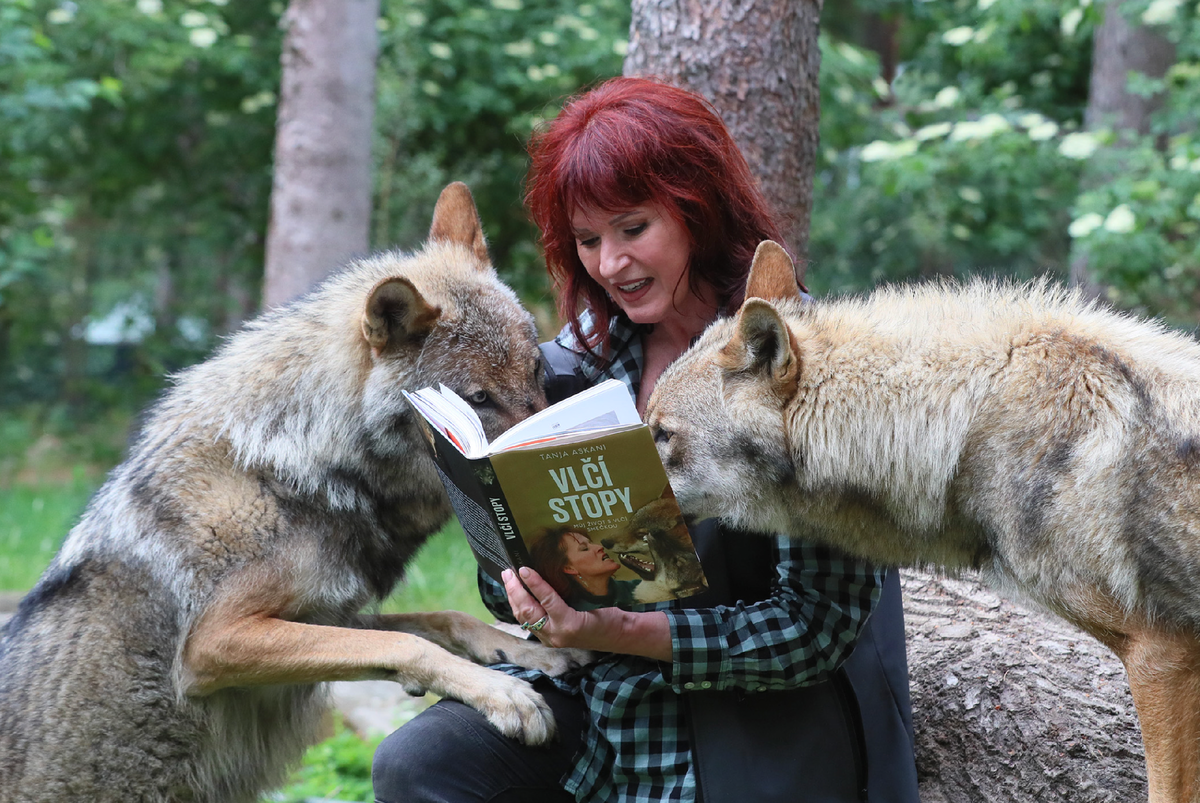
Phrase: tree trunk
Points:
(321, 193)
(758, 64)
(1119, 48)
(1013, 706)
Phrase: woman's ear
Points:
(570, 570)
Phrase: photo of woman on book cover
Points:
(579, 570)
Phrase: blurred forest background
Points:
(136, 150)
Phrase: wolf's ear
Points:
(772, 274)
(456, 220)
(396, 312)
(762, 343)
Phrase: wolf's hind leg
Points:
(466, 636)
(1164, 676)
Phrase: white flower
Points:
(507, 5)
(1084, 225)
(202, 37)
(149, 7)
(958, 36)
(1070, 21)
(982, 128)
(588, 33)
(1179, 161)
(621, 47)
(1046, 130)
(1120, 220)
(946, 97)
(933, 131)
(193, 19)
(1160, 12)
(1079, 145)
(548, 38)
(970, 195)
(881, 151)
(440, 50)
(519, 49)
(960, 231)
(984, 5)
(63, 14)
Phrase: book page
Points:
(452, 416)
(609, 401)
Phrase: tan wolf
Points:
(1049, 443)
(175, 648)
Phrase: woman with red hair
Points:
(770, 686)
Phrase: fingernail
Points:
(526, 571)
(506, 575)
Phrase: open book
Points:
(576, 491)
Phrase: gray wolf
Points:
(1051, 444)
(656, 546)
(175, 648)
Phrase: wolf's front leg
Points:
(226, 651)
(482, 643)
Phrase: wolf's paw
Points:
(554, 661)
(514, 708)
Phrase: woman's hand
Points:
(605, 629)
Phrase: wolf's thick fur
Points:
(1047, 442)
(175, 647)
(657, 547)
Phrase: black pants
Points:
(450, 754)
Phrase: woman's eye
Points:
(478, 397)
(634, 231)
(590, 242)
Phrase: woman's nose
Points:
(613, 259)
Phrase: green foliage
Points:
(338, 768)
(461, 85)
(138, 137)
(973, 159)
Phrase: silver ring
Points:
(536, 626)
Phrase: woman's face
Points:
(587, 559)
(640, 256)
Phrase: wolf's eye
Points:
(662, 435)
(478, 397)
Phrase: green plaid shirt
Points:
(636, 749)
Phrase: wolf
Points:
(177, 645)
(1051, 444)
(657, 547)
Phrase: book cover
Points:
(589, 508)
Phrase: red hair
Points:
(632, 141)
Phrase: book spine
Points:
(505, 522)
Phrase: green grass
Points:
(338, 768)
(34, 520)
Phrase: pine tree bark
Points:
(321, 192)
(1014, 706)
(1120, 47)
(757, 62)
